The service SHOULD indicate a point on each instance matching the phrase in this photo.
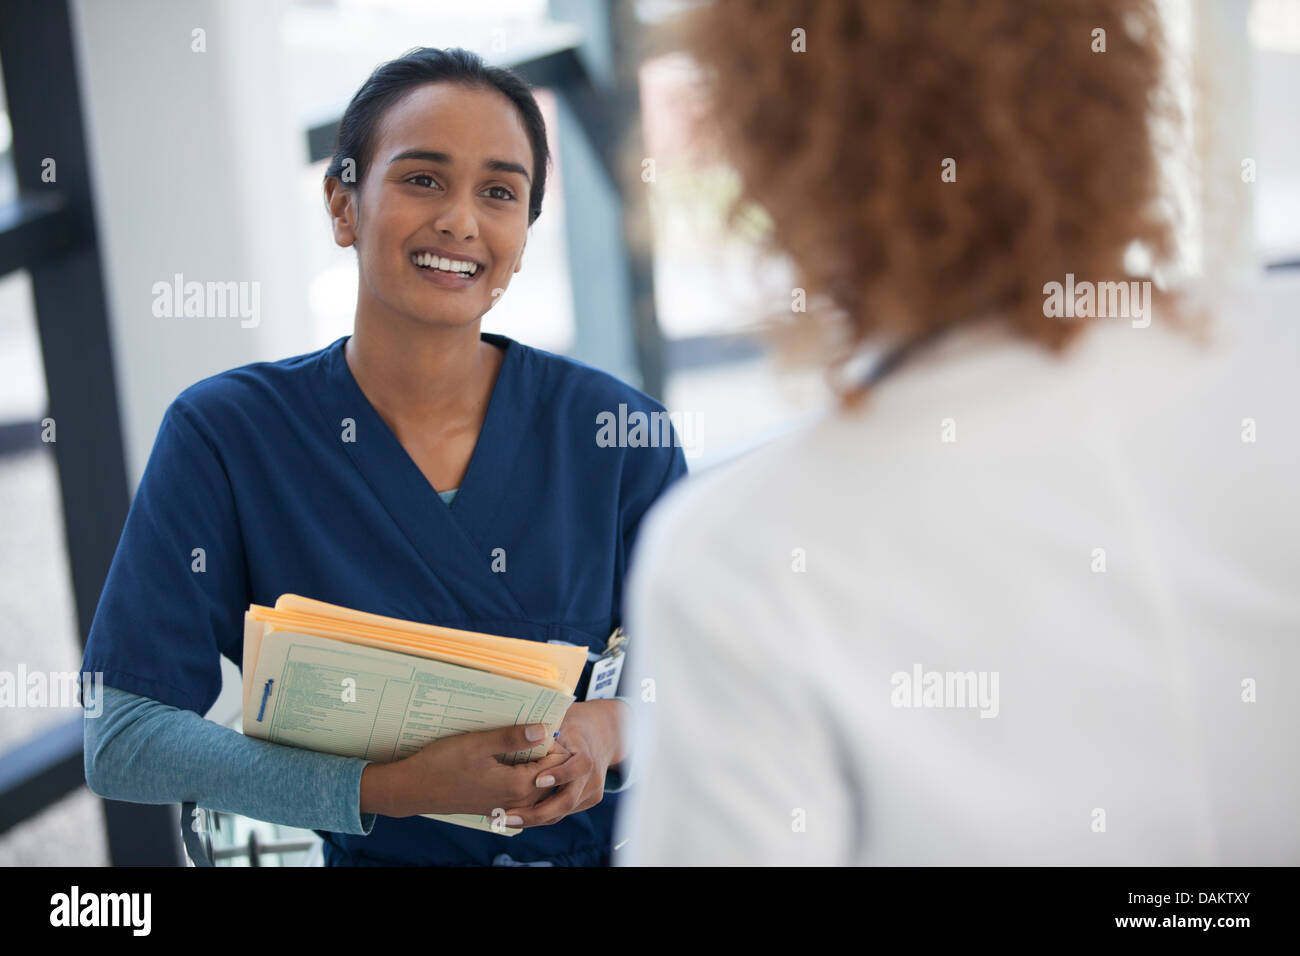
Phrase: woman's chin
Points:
(446, 319)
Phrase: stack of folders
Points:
(339, 681)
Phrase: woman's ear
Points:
(343, 211)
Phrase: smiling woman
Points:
(435, 155)
(398, 471)
(440, 146)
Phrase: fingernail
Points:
(546, 781)
(534, 731)
(514, 821)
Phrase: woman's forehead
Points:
(456, 120)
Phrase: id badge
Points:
(605, 672)
(604, 677)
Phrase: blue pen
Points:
(266, 693)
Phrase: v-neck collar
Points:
(339, 376)
(439, 532)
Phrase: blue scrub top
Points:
(253, 489)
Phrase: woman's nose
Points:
(456, 218)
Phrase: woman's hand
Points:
(461, 774)
(592, 733)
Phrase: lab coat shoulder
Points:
(720, 676)
(732, 545)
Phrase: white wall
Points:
(194, 157)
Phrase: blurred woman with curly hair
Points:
(1026, 594)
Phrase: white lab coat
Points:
(1097, 534)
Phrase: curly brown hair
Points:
(844, 147)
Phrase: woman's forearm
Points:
(144, 751)
(378, 787)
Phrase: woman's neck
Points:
(421, 374)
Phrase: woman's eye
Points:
(428, 180)
(508, 193)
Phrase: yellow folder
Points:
(404, 684)
(557, 666)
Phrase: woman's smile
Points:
(445, 270)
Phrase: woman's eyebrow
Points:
(433, 156)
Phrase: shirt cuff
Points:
(364, 822)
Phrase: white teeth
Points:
(427, 260)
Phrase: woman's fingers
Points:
(576, 767)
(551, 810)
(507, 740)
(552, 760)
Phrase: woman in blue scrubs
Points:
(417, 468)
